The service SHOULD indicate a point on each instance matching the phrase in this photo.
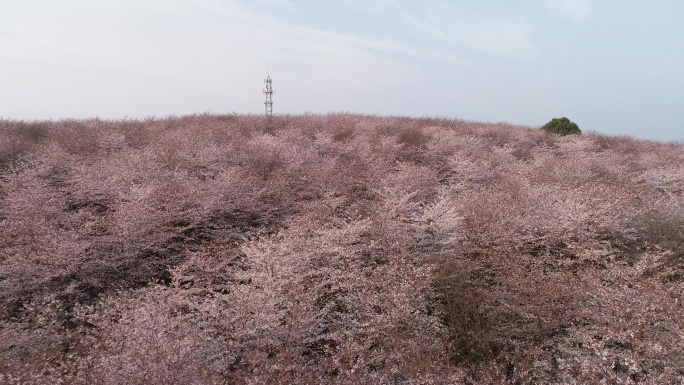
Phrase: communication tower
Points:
(268, 91)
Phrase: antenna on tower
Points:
(268, 91)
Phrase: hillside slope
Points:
(337, 249)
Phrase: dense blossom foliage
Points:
(340, 249)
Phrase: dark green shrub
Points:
(562, 126)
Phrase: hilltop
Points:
(220, 249)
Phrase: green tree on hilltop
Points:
(562, 126)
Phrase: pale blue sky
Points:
(612, 66)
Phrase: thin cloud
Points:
(277, 3)
(573, 9)
(286, 37)
(453, 26)
(368, 5)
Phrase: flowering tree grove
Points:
(340, 249)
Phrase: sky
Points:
(612, 66)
